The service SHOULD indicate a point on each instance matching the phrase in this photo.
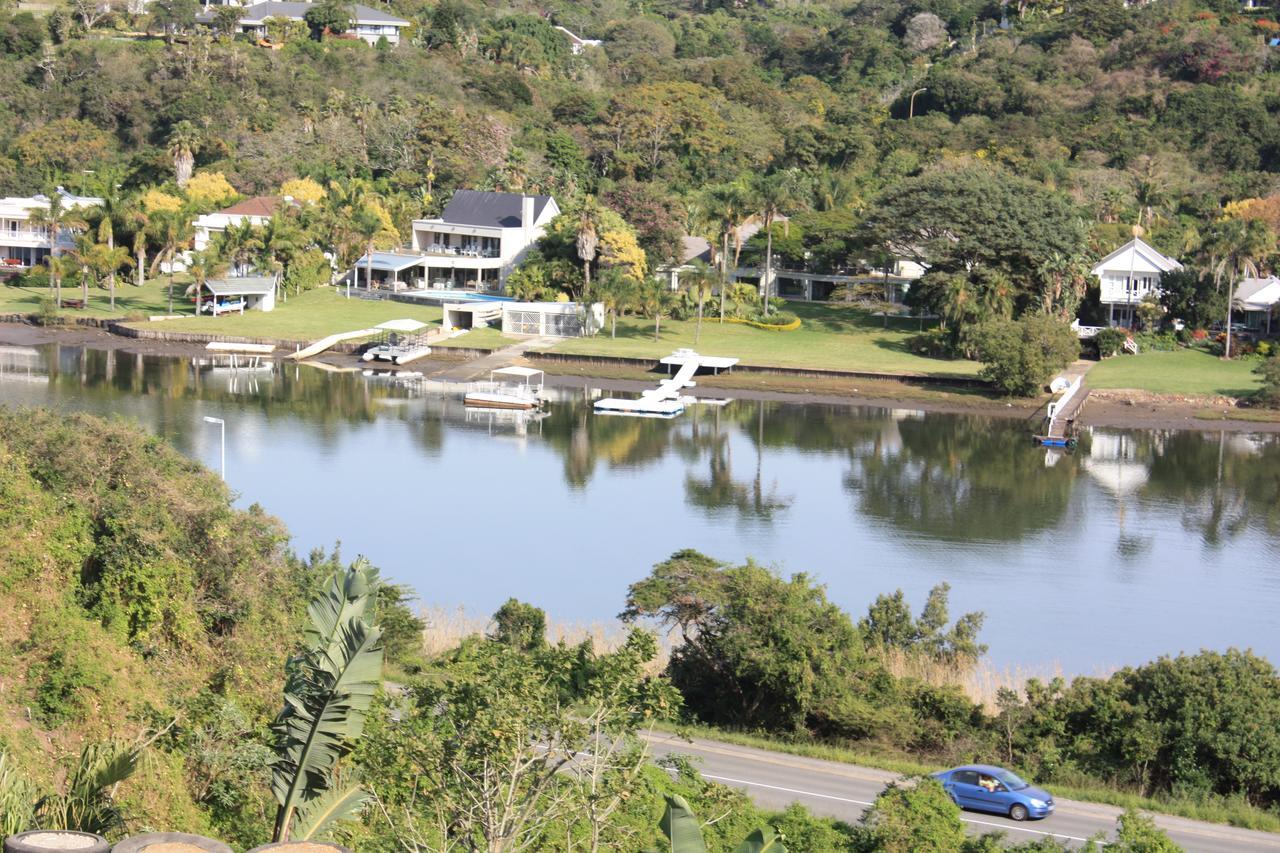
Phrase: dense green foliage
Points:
(1269, 370)
(759, 652)
(1019, 357)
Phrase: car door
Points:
(964, 788)
(990, 795)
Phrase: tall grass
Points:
(447, 627)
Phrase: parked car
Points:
(985, 788)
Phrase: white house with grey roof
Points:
(24, 244)
(1127, 276)
(368, 24)
(480, 237)
(474, 244)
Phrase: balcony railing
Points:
(459, 251)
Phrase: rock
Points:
(925, 31)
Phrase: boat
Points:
(496, 394)
(399, 342)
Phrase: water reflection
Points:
(1166, 539)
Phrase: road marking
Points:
(864, 803)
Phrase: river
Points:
(1141, 543)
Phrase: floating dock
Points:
(1060, 420)
(667, 400)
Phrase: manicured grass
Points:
(149, 299)
(309, 316)
(832, 336)
(1230, 812)
(1183, 371)
(486, 338)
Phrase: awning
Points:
(254, 285)
(389, 262)
(522, 372)
(406, 326)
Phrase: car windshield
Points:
(1011, 780)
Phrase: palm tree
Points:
(1063, 282)
(774, 194)
(616, 291)
(1240, 246)
(371, 228)
(277, 242)
(655, 300)
(204, 266)
(238, 244)
(725, 207)
(183, 142)
(173, 230)
(58, 221)
(700, 281)
(587, 240)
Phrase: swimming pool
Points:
(438, 296)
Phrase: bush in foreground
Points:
(1019, 356)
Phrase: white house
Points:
(23, 245)
(577, 44)
(1256, 298)
(1127, 275)
(237, 295)
(256, 211)
(480, 237)
(368, 24)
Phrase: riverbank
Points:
(1110, 407)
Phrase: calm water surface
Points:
(1139, 544)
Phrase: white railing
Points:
(1058, 404)
(1083, 332)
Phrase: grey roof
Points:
(387, 262)
(1249, 286)
(694, 249)
(249, 285)
(259, 12)
(493, 210)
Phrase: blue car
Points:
(984, 788)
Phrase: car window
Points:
(1011, 780)
(965, 777)
(990, 783)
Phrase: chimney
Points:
(526, 213)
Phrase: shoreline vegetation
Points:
(1127, 391)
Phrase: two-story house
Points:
(256, 211)
(480, 237)
(24, 245)
(1128, 275)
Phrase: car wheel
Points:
(1018, 811)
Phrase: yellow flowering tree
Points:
(303, 191)
(156, 201)
(209, 190)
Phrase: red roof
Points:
(261, 205)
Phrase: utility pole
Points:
(222, 429)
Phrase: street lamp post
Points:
(222, 430)
(911, 104)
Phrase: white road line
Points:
(974, 821)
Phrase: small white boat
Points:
(507, 395)
(400, 342)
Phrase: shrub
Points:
(47, 313)
(1110, 342)
(1156, 342)
(1269, 394)
(935, 343)
(1019, 356)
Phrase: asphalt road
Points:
(775, 780)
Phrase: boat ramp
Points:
(668, 399)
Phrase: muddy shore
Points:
(1113, 408)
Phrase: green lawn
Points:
(486, 338)
(312, 315)
(832, 336)
(1184, 371)
(149, 299)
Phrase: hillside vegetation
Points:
(136, 601)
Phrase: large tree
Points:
(961, 221)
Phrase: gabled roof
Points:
(488, 209)
(1138, 256)
(1257, 293)
(694, 249)
(260, 205)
